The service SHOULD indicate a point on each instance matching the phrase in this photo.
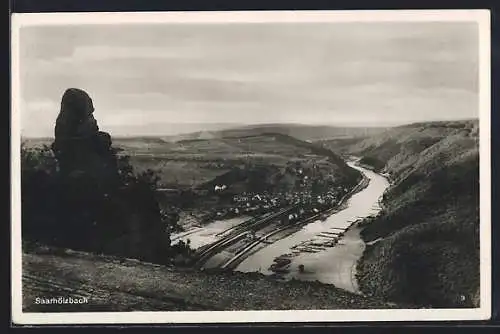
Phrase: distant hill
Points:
(176, 132)
(426, 241)
(271, 153)
(302, 132)
(37, 142)
(168, 129)
(398, 148)
(197, 162)
(197, 158)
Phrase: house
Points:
(257, 198)
(220, 187)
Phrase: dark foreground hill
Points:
(114, 284)
(425, 244)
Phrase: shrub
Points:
(125, 220)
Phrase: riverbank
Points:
(332, 247)
(237, 250)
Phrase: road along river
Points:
(332, 265)
(201, 236)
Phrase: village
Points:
(259, 203)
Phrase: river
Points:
(333, 265)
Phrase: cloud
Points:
(252, 73)
(38, 117)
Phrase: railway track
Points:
(242, 230)
(234, 261)
(235, 235)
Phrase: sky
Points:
(162, 79)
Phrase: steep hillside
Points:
(425, 243)
(398, 148)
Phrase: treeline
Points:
(79, 194)
(125, 220)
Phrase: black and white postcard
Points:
(229, 167)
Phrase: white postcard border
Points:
(482, 17)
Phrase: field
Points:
(269, 165)
(190, 163)
(192, 159)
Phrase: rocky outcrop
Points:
(79, 146)
(97, 208)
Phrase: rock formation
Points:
(79, 146)
(97, 210)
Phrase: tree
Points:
(82, 193)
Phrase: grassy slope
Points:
(112, 284)
(195, 162)
(192, 159)
(427, 249)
